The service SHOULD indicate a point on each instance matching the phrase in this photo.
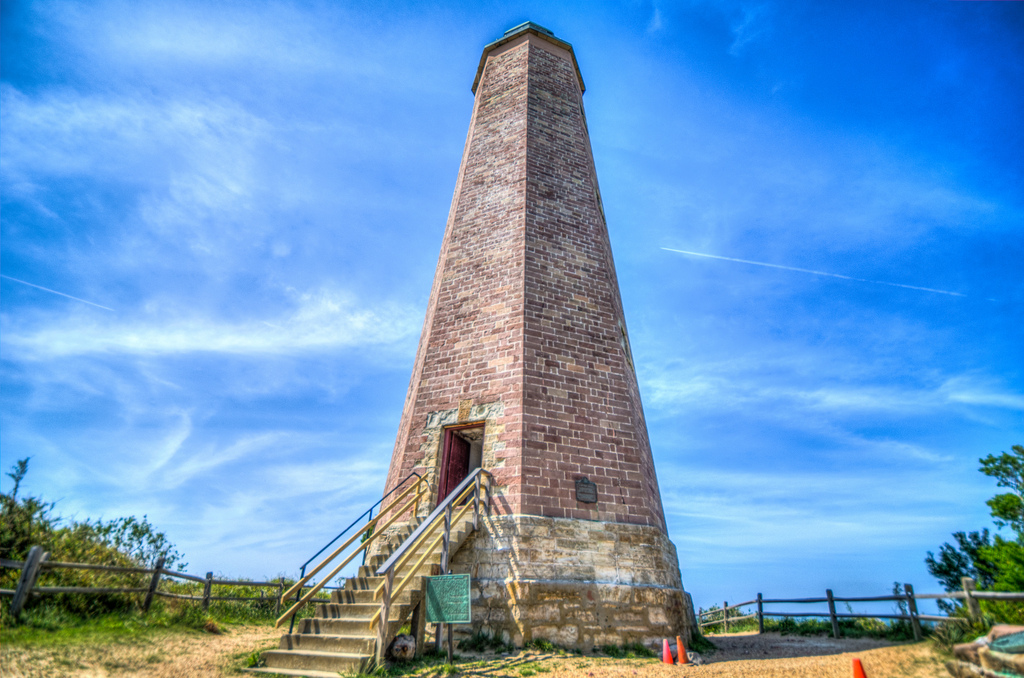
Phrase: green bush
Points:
(127, 542)
(896, 630)
(124, 542)
(482, 641)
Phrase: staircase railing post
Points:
(385, 606)
(439, 627)
(488, 503)
(447, 536)
(476, 504)
(153, 583)
(419, 495)
(298, 596)
(280, 595)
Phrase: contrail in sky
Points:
(47, 289)
(807, 270)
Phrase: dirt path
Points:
(747, 656)
(160, 656)
(738, 656)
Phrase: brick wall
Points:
(525, 308)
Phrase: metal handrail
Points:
(437, 512)
(410, 551)
(441, 515)
(357, 520)
(301, 600)
(401, 585)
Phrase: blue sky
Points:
(246, 201)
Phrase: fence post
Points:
(153, 583)
(206, 591)
(912, 608)
(27, 580)
(760, 614)
(725, 617)
(280, 595)
(973, 607)
(832, 613)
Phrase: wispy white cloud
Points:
(972, 390)
(732, 516)
(751, 26)
(739, 384)
(62, 133)
(655, 23)
(321, 320)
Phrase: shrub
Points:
(126, 542)
(482, 641)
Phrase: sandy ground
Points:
(161, 656)
(747, 655)
(739, 655)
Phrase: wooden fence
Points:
(36, 562)
(969, 594)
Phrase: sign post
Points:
(447, 598)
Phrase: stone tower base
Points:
(579, 584)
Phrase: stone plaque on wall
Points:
(586, 491)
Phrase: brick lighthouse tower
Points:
(524, 369)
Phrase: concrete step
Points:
(336, 627)
(308, 673)
(339, 627)
(339, 637)
(347, 610)
(344, 597)
(354, 644)
(311, 660)
(362, 583)
(361, 597)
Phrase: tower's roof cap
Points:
(515, 32)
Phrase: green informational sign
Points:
(448, 599)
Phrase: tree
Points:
(1008, 470)
(963, 560)
(996, 563)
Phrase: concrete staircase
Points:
(339, 638)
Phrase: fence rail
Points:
(968, 594)
(36, 563)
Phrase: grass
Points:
(895, 630)
(628, 651)
(430, 658)
(702, 645)
(485, 642)
(49, 625)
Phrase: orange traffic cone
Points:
(666, 652)
(681, 651)
(858, 669)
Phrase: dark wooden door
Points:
(454, 465)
